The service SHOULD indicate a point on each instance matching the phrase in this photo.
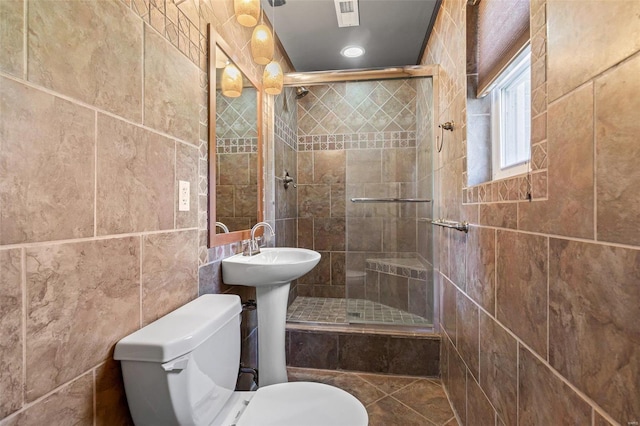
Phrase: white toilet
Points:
(182, 370)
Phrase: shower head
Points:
(301, 92)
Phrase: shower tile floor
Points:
(390, 400)
(342, 311)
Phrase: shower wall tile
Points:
(399, 165)
(499, 368)
(111, 403)
(13, 27)
(75, 292)
(89, 51)
(365, 234)
(364, 166)
(314, 200)
(618, 188)
(135, 187)
(11, 340)
(449, 307)
(170, 105)
(46, 171)
(329, 167)
(593, 304)
(169, 272)
(467, 327)
(479, 409)
(394, 291)
(536, 382)
(521, 287)
(329, 234)
(481, 267)
(71, 404)
(458, 384)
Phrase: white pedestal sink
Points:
(270, 272)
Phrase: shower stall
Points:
(365, 185)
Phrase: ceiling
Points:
(392, 32)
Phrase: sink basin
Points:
(272, 266)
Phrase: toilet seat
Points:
(303, 404)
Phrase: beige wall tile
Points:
(499, 368)
(111, 402)
(479, 410)
(501, 215)
(46, 170)
(11, 368)
(169, 272)
(12, 34)
(467, 327)
(544, 399)
(521, 287)
(364, 166)
(617, 151)
(89, 51)
(171, 89)
(364, 234)
(582, 43)
(74, 293)
(329, 234)
(569, 210)
(314, 201)
(71, 404)
(329, 167)
(135, 188)
(399, 165)
(594, 310)
(481, 267)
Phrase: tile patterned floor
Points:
(390, 400)
(336, 311)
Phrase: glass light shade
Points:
(272, 78)
(247, 12)
(231, 81)
(262, 45)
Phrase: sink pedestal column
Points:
(272, 318)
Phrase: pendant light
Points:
(272, 78)
(247, 12)
(262, 45)
(231, 81)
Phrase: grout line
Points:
(25, 40)
(95, 175)
(140, 282)
(97, 238)
(23, 285)
(94, 108)
(95, 397)
(595, 167)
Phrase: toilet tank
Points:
(182, 368)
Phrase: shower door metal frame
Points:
(296, 79)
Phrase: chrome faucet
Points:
(252, 247)
(223, 227)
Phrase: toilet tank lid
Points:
(180, 331)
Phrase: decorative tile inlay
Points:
(236, 145)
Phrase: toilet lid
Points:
(303, 404)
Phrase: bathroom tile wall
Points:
(355, 139)
(104, 110)
(539, 301)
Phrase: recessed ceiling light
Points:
(352, 51)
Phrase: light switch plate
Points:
(184, 190)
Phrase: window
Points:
(511, 118)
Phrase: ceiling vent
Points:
(347, 12)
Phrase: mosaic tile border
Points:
(236, 145)
(367, 140)
(397, 267)
(286, 133)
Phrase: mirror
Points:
(235, 151)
